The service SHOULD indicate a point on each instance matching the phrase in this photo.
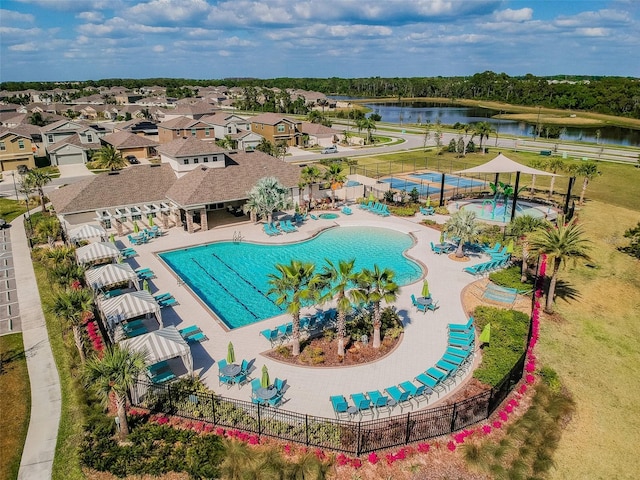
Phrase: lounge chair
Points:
(142, 270)
(367, 206)
(162, 296)
(273, 335)
(362, 404)
(380, 402)
(461, 327)
(347, 211)
(290, 226)
(340, 406)
(401, 397)
(185, 332)
(113, 293)
(196, 338)
(267, 229)
(167, 302)
(313, 217)
(163, 377)
(416, 392)
(146, 275)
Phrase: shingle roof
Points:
(59, 123)
(318, 129)
(189, 146)
(17, 131)
(179, 123)
(243, 169)
(124, 139)
(75, 141)
(272, 119)
(132, 186)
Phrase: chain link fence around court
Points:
(425, 175)
(353, 437)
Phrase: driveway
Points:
(75, 170)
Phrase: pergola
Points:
(503, 164)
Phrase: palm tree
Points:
(336, 177)
(519, 227)
(379, 287)
(588, 170)
(310, 176)
(483, 130)
(59, 255)
(463, 224)
(293, 287)
(560, 243)
(37, 119)
(268, 195)
(37, 180)
(114, 374)
(267, 147)
(71, 306)
(539, 164)
(554, 165)
(338, 279)
(48, 229)
(366, 124)
(108, 158)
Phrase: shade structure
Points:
(160, 345)
(503, 164)
(485, 336)
(129, 305)
(112, 274)
(87, 232)
(97, 251)
(425, 289)
(231, 354)
(264, 380)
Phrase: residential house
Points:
(318, 134)
(186, 153)
(16, 149)
(194, 111)
(246, 140)
(128, 143)
(276, 128)
(225, 123)
(78, 148)
(185, 127)
(139, 126)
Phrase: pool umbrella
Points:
(485, 336)
(231, 355)
(372, 197)
(428, 201)
(425, 289)
(112, 238)
(136, 228)
(441, 237)
(151, 221)
(264, 381)
(145, 285)
(510, 246)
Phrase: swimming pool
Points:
(408, 185)
(452, 180)
(501, 213)
(232, 278)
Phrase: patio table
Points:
(230, 370)
(424, 300)
(266, 393)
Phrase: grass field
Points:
(15, 388)
(10, 209)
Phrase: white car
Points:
(331, 149)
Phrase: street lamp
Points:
(15, 187)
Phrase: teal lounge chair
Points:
(340, 406)
(167, 302)
(189, 330)
(380, 402)
(400, 397)
(362, 404)
(347, 211)
(196, 338)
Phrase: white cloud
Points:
(158, 48)
(24, 47)
(91, 17)
(73, 5)
(174, 11)
(10, 16)
(593, 32)
(510, 15)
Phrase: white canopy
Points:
(161, 345)
(130, 305)
(97, 251)
(111, 274)
(87, 232)
(502, 164)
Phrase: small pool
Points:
(408, 186)
(328, 216)
(451, 180)
(352, 183)
(485, 210)
(232, 278)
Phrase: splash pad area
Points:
(497, 211)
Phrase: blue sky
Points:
(213, 39)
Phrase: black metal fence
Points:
(352, 437)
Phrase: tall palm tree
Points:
(37, 180)
(338, 279)
(561, 243)
(379, 287)
(59, 255)
(335, 177)
(293, 287)
(520, 227)
(366, 124)
(310, 176)
(268, 195)
(483, 130)
(463, 224)
(589, 171)
(114, 374)
(109, 158)
(71, 306)
(554, 165)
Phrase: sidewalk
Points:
(40, 445)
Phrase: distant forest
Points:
(608, 95)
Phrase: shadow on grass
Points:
(11, 356)
(565, 291)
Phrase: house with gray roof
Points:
(128, 143)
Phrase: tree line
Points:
(608, 95)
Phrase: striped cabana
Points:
(160, 345)
(87, 232)
(129, 305)
(112, 274)
(97, 251)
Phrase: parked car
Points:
(132, 159)
(331, 149)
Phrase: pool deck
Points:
(423, 343)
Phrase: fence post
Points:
(453, 417)
(170, 400)
(358, 438)
(306, 429)
(213, 408)
(259, 420)
(407, 432)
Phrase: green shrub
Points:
(431, 223)
(510, 278)
(551, 378)
(442, 211)
(509, 330)
(404, 211)
(283, 351)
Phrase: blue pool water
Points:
(451, 180)
(407, 186)
(232, 278)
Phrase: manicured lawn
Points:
(66, 464)
(16, 392)
(10, 209)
